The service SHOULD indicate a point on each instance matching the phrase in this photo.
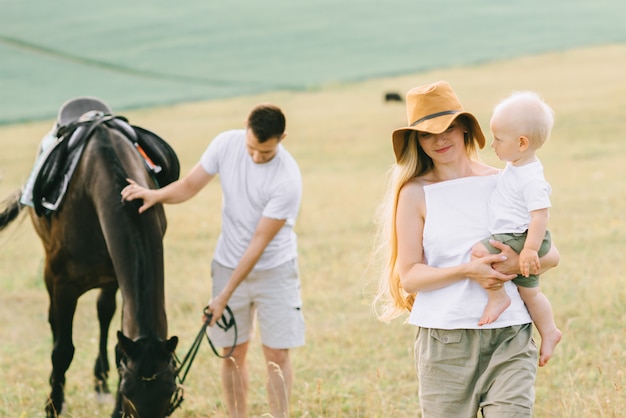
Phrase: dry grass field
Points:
(354, 365)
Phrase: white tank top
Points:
(456, 218)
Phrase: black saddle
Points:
(56, 171)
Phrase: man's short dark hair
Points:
(266, 121)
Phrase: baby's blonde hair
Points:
(530, 114)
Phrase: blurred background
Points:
(146, 53)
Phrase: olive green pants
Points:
(465, 371)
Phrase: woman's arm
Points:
(415, 275)
(550, 260)
(511, 264)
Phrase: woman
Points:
(435, 210)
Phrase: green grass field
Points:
(156, 52)
(353, 365)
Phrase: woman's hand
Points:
(509, 265)
(483, 272)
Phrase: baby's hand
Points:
(529, 262)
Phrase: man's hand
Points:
(215, 309)
(135, 191)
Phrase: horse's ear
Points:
(126, 344)
(170, 345)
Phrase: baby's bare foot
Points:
(548, 343)
(498, 302)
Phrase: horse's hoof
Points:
(102, 387)
(52, 412)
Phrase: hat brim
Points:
(435, 126)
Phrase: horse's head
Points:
(147, 376)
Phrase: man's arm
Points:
(266, 230)
(176, 192)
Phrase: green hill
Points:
(145, 53)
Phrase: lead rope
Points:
(226, 322)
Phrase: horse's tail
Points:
(10, 209)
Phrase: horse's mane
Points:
(117, 172)
(110, 155)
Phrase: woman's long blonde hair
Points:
(391, 299)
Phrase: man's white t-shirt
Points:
(250, 191)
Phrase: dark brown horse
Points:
(94, 240)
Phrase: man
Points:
(254, 267)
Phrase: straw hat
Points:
(74, 108)
(432, 108)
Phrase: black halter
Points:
(225, 322)
(170, 366)
(154, 376)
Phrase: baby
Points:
(518, 209)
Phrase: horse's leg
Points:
(61, 315)
(106, 309)
(117, 410)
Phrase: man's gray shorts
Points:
(274, 295)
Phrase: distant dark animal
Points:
(393, 97)
(94, 240)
